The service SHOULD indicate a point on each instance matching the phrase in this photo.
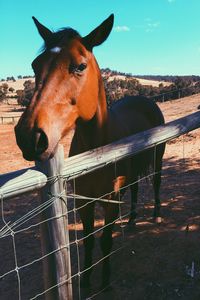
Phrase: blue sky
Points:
(149, 36)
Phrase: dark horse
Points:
(69, 93)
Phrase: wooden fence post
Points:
(57, 266)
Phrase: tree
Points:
(3, 91)
(20, 94)
(11, 89)
(5, 87)
(24, 96)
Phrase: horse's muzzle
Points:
(33, 144)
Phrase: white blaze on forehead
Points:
(56, 49)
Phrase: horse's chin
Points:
(40, 157)
(28, 157)
(34, 157)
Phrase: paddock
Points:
(155, 262)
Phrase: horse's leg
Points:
(134, 192)
(87, 218)
(111, 213)
(156, 185)
(157, 182)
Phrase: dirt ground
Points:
(156, 262)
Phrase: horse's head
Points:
(66, 88)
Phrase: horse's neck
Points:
(92, 134)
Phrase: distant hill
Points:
(114, 75)
(169, 78)
(154, 83)
(118, 85)
(157, 78)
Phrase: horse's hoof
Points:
(158, 220)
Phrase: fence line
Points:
(9, 119)
(162, 95)
(64, 246)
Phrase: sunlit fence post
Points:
(55, 238)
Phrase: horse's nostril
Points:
(41, 141)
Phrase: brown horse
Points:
(69, 93)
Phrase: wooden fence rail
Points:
(26, 180)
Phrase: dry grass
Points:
(154, 83)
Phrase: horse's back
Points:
(131, 115)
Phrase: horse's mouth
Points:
(36, 157)
(39, 157)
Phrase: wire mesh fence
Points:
(20, 232)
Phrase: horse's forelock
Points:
(60, 38)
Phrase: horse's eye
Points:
(77, 69)
(81, 67)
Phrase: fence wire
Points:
(18, 229)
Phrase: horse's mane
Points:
(60, 38)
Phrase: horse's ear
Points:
(99, 34)
(43, 31)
